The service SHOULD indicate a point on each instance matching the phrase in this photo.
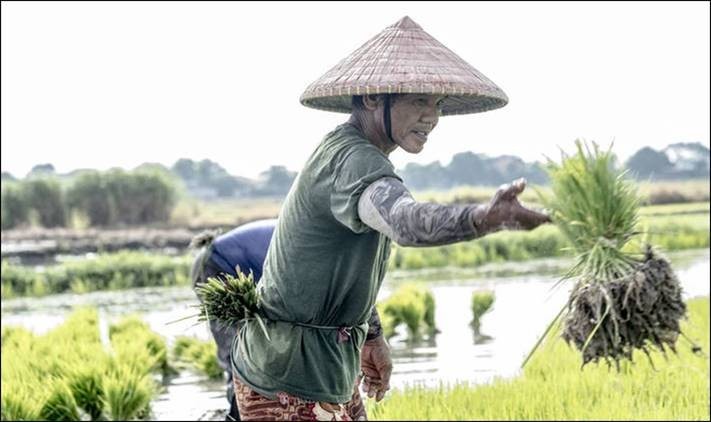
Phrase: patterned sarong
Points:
(255, 407)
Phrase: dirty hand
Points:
(504, 212)
(377, 366)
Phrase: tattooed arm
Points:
(374, 327)
(388, 207)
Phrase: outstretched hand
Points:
(505, 212)
(377, 366)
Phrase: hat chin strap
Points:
(386, 117)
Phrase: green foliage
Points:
(140, 197)
(60, 405)
(198, 354)
(595, 208)
(229, 301)
(67, 374)
(128, 393)
(412, 305)
(131, 333)
(15, 208)
(88, 194)
(553, 387)
(481, 304)
(110, 271)
(45, 197)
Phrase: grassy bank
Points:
(553, 387)
(671, 227)
(110, 271)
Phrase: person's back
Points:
(244, 248)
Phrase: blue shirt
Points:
(244, 247)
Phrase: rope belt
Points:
(344, 332)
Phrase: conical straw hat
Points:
(403, 58)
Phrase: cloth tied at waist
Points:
(343, 332)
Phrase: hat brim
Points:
(451, 104)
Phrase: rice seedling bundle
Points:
(622, 299)
(230, 300)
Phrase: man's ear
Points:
(371, 101)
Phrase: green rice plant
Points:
(198, 354)
(60, 405)
(620, 302)
(481, 304)
(131, 335)
(128, 392)
(412, 305)
(554, 387)
(86, 384)
(62, 375)
(230, 300)
(20, 403)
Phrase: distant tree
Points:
(42, 170)
(7, 176)
(89, 195)
(45, 196)
(185, 168)
(429, 176)
(535, 174)
(208, 171)
(467, 168)
(140, 197)
(276, 180)
(648, 162)
(15, 209)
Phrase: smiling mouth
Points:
(420, 134)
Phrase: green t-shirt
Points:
(324, 267)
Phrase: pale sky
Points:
(98, 85)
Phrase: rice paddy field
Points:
(90, 338)
(554, 387)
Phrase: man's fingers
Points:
(518, 185)
(531, 219)
(509, 190)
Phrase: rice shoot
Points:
(230, 300)
(622, 300)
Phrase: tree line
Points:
(110, 198)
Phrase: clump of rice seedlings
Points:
(230, 300)
(60, 405)
(132, 332)
(86, 384)
(20, 401)
(622, 300)
(128, 392)
(201, 355)
(412, 305)
(481, 304)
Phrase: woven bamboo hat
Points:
(403, 58)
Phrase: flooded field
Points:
(524, 305)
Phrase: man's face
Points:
(413, 117)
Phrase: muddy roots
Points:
(638, 311)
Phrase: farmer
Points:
(245, 248)
(330, 247)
